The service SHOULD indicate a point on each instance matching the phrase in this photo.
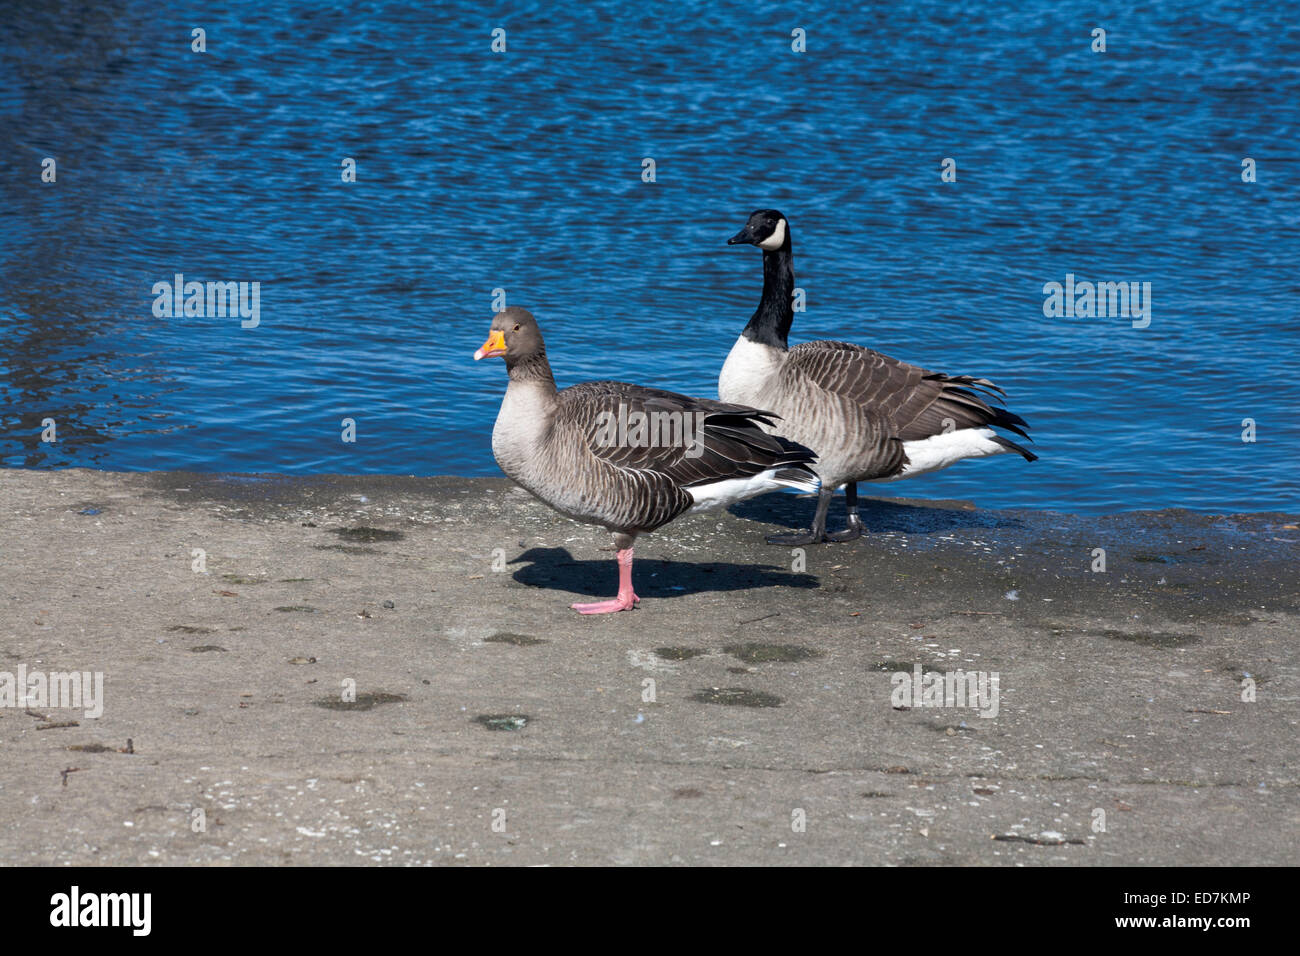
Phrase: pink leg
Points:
(626, 599)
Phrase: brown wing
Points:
(690, 441)
(608, 471)
(913, 402)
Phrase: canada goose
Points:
(868, 417)
(626, 457)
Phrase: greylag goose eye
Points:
(868, 417)
(627, 457)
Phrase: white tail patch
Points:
(940, 451)
(720, 494)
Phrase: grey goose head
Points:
(766, 229)
(514, 336)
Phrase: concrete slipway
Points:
(492, 725)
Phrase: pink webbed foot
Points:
(626, 599)
(607, 607)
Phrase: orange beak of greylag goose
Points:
(495, 345)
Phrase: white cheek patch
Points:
(776, 240)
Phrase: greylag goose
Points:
(868, 417)
(626, 457)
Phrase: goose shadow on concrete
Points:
(796, 511)
(557, 570)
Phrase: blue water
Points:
(522, 171)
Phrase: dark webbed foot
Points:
(854, 530)
(817, 533)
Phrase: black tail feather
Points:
(1008, 444)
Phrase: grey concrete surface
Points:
(1119, 691)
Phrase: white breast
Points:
(520, 424)
(746, 372)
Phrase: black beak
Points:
(744, 237)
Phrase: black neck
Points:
(531, 368)
(771, 323)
